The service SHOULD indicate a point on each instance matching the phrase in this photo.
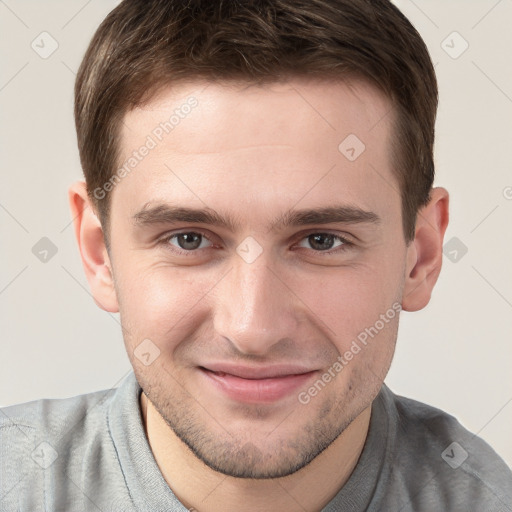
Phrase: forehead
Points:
(275, 143)
(231, 114)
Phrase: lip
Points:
(256, 385)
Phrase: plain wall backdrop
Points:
(456, 354)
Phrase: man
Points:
(258, 207)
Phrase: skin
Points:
(254, 153)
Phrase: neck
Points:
(202, 489)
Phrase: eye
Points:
(325, 242)
(188, 241)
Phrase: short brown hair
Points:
(144, 45)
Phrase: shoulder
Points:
(52, 415)
(41, 438)
(438, 462)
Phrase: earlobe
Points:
(425, 253)
(91, 244)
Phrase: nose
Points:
(255, 308)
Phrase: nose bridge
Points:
(255, 309)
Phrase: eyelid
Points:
(167, 237)
(346, 243)
(344, 237)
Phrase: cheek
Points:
(349, 299)
(156, 301)
(171, 304)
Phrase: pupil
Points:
(189, 241)
(318, 241)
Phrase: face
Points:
(259, 332)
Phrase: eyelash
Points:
(346, 244)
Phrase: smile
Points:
(256, 386)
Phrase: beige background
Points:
(456, 354)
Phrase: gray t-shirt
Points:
(90, 453)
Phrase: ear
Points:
(95, 258)
(425, 252)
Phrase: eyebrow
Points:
(168, 214)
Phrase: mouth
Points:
(256, 385)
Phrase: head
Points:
(303, 132)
